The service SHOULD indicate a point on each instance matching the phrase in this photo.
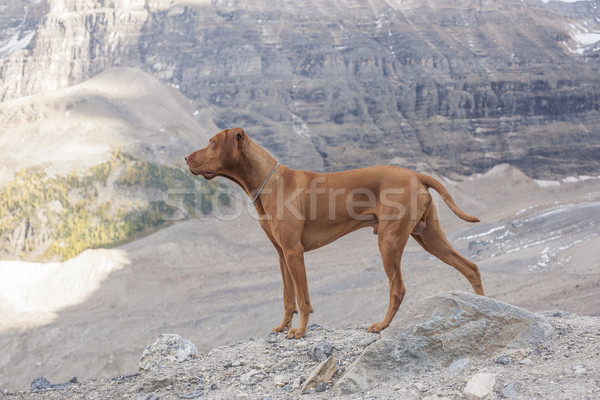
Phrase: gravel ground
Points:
(565, 367)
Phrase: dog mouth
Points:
(206, 174)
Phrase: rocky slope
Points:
(453, 346)
(447, 86)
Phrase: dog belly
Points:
(315, 236)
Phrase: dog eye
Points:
(212, 143)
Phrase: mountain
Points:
(446, 86)
(451, 88)
(95, 164)
(80, 126)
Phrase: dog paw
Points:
(377, 327)
(295, 333)
(279, 328)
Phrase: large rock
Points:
(444, 332)
(168, 349)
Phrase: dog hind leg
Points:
(434, 241)
(391, 245)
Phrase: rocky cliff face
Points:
(448, 86)
(74, 40)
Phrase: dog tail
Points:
(438, 187)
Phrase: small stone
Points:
(421, 387)
(526, 361)
(313, 327)
(236, 363)
(510, 390)
(214, 386)
(321, 351)
(503, 360)
(287, 388)
(247, 377)
(296, 383)
(579, 369)
(73, 380)
(149, 396)
(283, 364)
(321, 387)
(192, 395)
(561, 314)
(281, 380)
(40, 383)
(480, 386)
(153, 383)
(258, 365)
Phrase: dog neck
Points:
(253, 168)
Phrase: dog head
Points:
(221, 154)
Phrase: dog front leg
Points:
(294, 259)
(289, 294)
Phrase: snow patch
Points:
(478, 235)
(300, 126)
(549, 256)
(29, 287)
(584, 37)
(14, 44)
(568, 179)
(545, 184)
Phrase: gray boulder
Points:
(168, 349)
(442, 332)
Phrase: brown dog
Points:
(302, 210)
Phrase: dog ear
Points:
(240, 135)
(235, 137)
